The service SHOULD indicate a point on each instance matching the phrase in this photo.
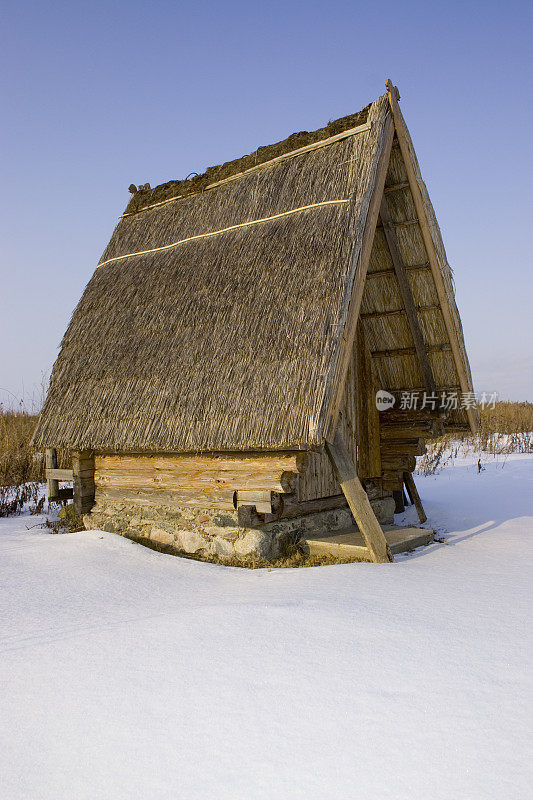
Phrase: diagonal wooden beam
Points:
(408, 159)
(412, 491)
(407, 296)
(363, 257)
(358, 500)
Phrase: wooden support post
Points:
(398, 499)
(413, 175)
(407, 296)
(368, 433)
(52, 483)
(412, 491)
(83, 471)
(358, 501)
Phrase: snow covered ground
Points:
(126, 673)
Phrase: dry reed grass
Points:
(506, 428)
(22, 469)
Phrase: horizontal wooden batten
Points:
(396, 312)
(59, 474)
(410, 351)
(377, 273)
(396, 187)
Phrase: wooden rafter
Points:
(407, 295)
(403, 142)
(363, 258)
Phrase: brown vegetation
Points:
(506, 428)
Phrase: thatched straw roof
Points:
(215, 317)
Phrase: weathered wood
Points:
(397, 495)
(405, 147)
(376, 273)
(222, 499)
(407, 295)
(275, 473)
(368, 450)
(392, 481)
(52, 483)
(394, 461)
(412, 491)
(418, 430)
(60, 474)
(363, 257)
(65, 494)
(412, 447)
(261, 499)
(395, 187)
(396, 312)
(358, 501)
(84, 487)
(411, 351)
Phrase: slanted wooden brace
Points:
(83, 474)
(358, 501)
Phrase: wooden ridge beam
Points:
(407, 296)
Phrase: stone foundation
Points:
(218, 533)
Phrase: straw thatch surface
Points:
(213, 174)
(220, 343)
(226, 343)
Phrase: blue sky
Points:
(96, 96)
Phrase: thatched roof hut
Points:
(222, 316)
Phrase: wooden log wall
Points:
(221, 482)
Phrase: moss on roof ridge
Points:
(265, 153)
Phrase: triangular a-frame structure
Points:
(217, 384)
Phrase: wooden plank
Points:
(349, 542)
(407, 295)
(361, 267)
(358, 500)
(412, 491)
(403, 141)
(60, 474)
(52, 483)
